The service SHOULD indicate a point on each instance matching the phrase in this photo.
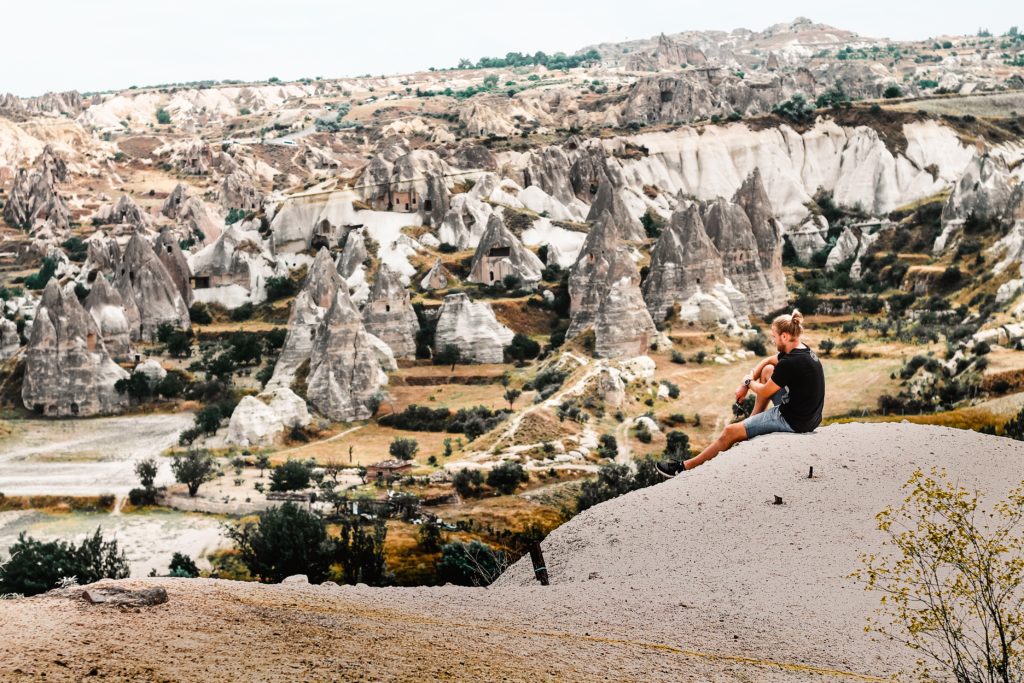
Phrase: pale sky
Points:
(110, 44)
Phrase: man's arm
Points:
(741, 391)
(764, 389)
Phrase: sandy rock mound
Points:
(472, 327)
(257, 420)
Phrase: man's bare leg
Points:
(731, 435)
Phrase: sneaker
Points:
(670, 468)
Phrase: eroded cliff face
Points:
(388, 314)
(68, 371)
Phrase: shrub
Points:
(448, 355)
(677, 357)
(614, 480)
(643, 433)
(171, 386)
(892, 91)
(403, 449)
(35, 567)
(951, 581)
(673, 389)
(292, 475)
(468, 482)
(243, 312)
(756, 344)
(795, 109)
(163, 116)
(826, 346)
(608, 447)
(199, 314)
(470, 564)
(193, 469)
(507, 476)
(522, 348)
(280, 287)
(46, 271)
(182, 566)
(678, 446)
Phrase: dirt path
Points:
(85, 457)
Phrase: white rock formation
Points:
(258, 420)
(472, 328)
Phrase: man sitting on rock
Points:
(792, 380)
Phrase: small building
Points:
(386, 468)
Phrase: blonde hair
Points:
(789, 323)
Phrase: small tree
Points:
(470, 564)
(146, 471)
(952, 591)
(507, 476)
(511, 395)
(403, 449)
(163, 116)
(183, 566)
(522, 348)
(609, 446)
(263, 462)
(468, 482)
(285, 540)
(193, 469)
(36, 567)
(677, 446)
(848, 346)
(293, 475)
(430, 535)
(448, 355)
(826, 346)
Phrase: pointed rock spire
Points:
(344, 370)
(729, 229)
(388, 314)
(753, 198)
(67, 369)
(608, 201)
(150, 295)
(107, 309)
(500, 253)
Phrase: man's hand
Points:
(741, 392)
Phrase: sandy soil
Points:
(85, 457)
(697, 579)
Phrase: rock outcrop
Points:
(240, 192)
(258, 420)
(150, 296)
(308, 311)
(388, 314)
(10, 342)
(345, 374)
(68, 371)
(465, 222)
(604, 290)
(500, 254)
(981, 195)
(686, 271)
(191, 216)
(437, 277)
(608, 201)
(34, 203)
(169, 252)
(105, 305)
(233, 270)
(808, 237)
(729, 229)
(124, 212)
(753, 199)
(471, 327)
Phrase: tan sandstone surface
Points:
(700, 578)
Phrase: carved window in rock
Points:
(387, 308)
(90, 341)
(428, 205)
(74, 409)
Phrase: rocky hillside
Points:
(699, 578)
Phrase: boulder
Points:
(119, 596)
(472, 328)
(102, 256)
(809, 237)
(150, 296)
(68, 371)
(465, 222)
(500, 254)
(388, 314)
(258, 420)
(124, 212)
(151, 369)
(105, 305)
(345, 375)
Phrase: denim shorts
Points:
(770, 420)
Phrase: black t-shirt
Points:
(801, 371)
